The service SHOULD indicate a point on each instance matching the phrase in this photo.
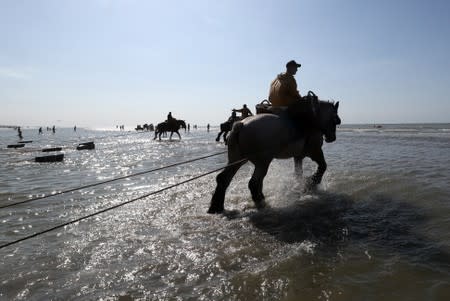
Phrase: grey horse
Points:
(261, 138)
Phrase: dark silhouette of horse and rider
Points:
(171, 125)
(227, 125)
(286, 126)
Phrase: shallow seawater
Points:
(375, 229)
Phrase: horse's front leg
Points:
(170, 137)
(298, 166)
(316, 178)
(179, 136)
(218, 137)
(256, 183)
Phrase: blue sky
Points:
(107, 62)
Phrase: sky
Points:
(100, 63)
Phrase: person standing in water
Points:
(19, 133)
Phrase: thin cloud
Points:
(14, 73)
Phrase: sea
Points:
(376, 228)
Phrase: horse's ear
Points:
(336, 106)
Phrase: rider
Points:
(283, 89)
(233, 117)
(245, 112)
(170, 119)
(283, 93)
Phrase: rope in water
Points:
(118, 205)
(112, 180)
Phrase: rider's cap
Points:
(293, 63)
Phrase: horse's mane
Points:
(328, 102)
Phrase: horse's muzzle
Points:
(329, 139)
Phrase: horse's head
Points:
(182, 124)
(328, 119)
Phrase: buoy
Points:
(51, 149)
(16, 145)
(50, 158)
(86, 145)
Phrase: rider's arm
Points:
(292, 89)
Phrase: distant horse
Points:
(172, 127)
(261, 138)
(225, 128)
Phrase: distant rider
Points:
(233, 118)
(245, 112)
(170, 119)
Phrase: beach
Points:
(375, 229)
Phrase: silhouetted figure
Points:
(53, 129)
(19, 133)
(75, 128)
(233, 117)
(189, 127)
(245, 112)
(170, 120)
(40, 130)
(207, 127)
(227, 126)
(283, 93)
(283, 89)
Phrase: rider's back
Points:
(283, 90)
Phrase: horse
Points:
(171, 127)
(224, 129)
(264, 137)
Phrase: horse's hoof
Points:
(261, 204)
(217, 139)
(310, 185)
(215, 210)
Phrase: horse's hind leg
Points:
(225, 135)
(223, 180)
(256, 183)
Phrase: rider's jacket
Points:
(283, 90)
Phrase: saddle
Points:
(310, 103)
(303, 112)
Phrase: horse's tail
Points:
(234, 152)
